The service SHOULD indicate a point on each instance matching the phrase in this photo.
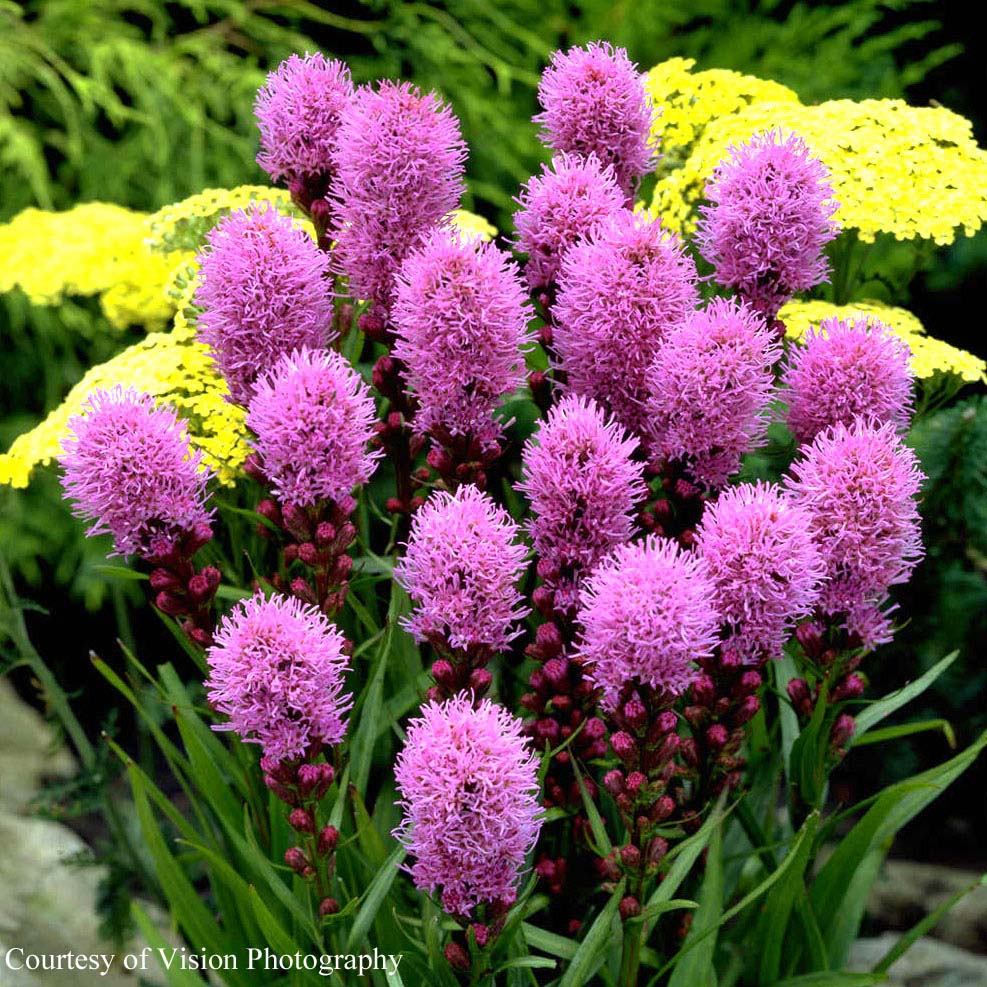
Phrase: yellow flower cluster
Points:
(899, 169)
(930, 356)
(473, 225)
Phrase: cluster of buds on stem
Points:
(309, 193)
(458, 459)
(459, 670)
(393, 434)
(480, 931)
(677, 510)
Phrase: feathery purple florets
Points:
(759, 552)
(594, 102)
(770, 217)
(461, 569)
(647, 616)
(558, 207)
(621, 291)
(711, 386)
(583, 486)
(263, 293)
(128, 466)
(859, 486)
(313, 417)
(469, 795)
(276, 670)
(298, 112)
(847, 370)
(461, 318)
(398, 172)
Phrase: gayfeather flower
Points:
(770, 217)
(621, 291)
(594, 102)
(298, 112)
(558, 207)
(128, 467)
(461, 317)
(583, 486)
(847, 370)
(859, 485)
(765, 567)
(276, 670)
(468, 782)
(710, 388)
(398, 170)
(647, 616)
(461, 569)
(263, 293)
(313, 417)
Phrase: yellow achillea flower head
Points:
(929, 356)
(472, 224)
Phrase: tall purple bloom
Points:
(847, 370)
(263, 291)
(558, 207)
(461, 317)
(298, 111)
(594, 102)
(770, 217)
(710, 388)
(313, 417)
(647, 617)
(461, 569)
(398, 172)
(766, 568)
(276, 670)
(583, 486)
(621, 291)
(859, 485)
(128, 467)
(468, 782)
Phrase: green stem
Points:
(630, 960)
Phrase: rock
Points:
(929, 963)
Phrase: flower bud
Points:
(623, 746)
(704, 691)
(630, 856)
(635, 713)
(328, 906)
(301, 820)
(308, 553)
(613, 782)
(850, 688)
(630, 907)
(717, 736)
(328, 838)
(295, 858)
(456, 956)
(843, 730)
(747, 710)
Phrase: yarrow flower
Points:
(847, 370)
(647, 617)
(461, 318)
(621, 291)
(710, 388)
(398, 171)
(313, 417)
(859, 485)
(594, 102)
(583, 486)
(765, 567)
(128, 466)
(770, 217)
(469, 796)
(298, 112)
(276, 670)
(461, 568)
(263, 293)
(558, 207)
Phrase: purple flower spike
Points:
(647, 617)
(264, 293)
(859, 486)
(276, 670)
(558, 207)
(461, 317)
(314, 418)
(583, 486)
(758, 548)
(847, 370)
(711, 387)
(398, 172)
(298, 111)
(769, 219)
(621, 291)
(128, 467)
(461, 569)
(595, 103)
(469, 797)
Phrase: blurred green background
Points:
(142, 103)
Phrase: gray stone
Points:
(929, 963)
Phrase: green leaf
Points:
(596, 825)
(831, 980)
(593, 949)
(177, 976)
(374, 897)
(806, 770)
(549, 942)
(369, 716)
(907, 729)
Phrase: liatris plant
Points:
(513, 618)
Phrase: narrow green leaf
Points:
(907, 729)
(831, 980)
(549, 942)
(374, 897)
(369, 716)
(598, 829)
(593, 949)
(176, 976)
